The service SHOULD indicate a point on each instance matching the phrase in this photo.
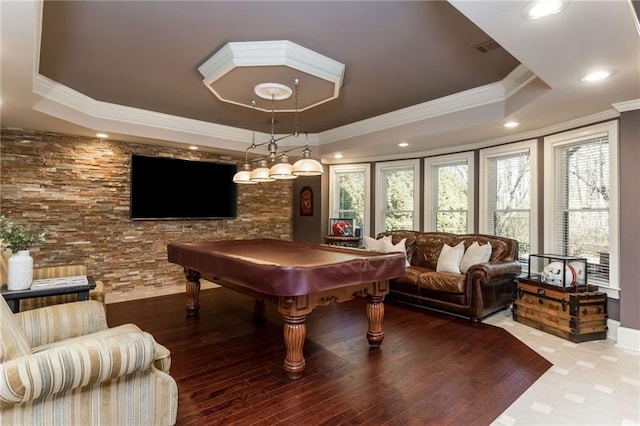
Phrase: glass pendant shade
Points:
(282, 170)
(307, 166)
(261, 174)
(243, 176)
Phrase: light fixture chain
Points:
(295, 119)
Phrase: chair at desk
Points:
(51, 272)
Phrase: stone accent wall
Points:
(77, 188)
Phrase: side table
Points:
(13, 297)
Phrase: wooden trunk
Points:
(578, 317)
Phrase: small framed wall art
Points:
(306, 201)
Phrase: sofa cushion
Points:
(450, 258)
(410, 243)
(411, 275)
(389, 247)
(442, 281)
(371, 244)
(499, 249)
(475, 254)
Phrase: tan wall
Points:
(77, 188)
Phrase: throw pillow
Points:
(371, 244)
(475, 254)
(450, 258)
(389, 247)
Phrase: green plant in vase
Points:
(19, 239)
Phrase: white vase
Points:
(20, 274)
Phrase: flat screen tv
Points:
(170, 188)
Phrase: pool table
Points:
(298, 277)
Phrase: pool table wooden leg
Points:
(295, 331)
(193, 290)
(375, 314)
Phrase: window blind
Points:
(581, 199)
(509, 198)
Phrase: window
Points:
(449, 193)
(349, 190)
(581, 196)
(508, 201)
(397, 199)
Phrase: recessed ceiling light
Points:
(541, 8)
(403, 144)
(338, 156)
(596, 76)
(193, 147)
(102, 135)
(511, 124)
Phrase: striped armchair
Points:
(62, 365)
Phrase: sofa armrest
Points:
(486, 272)
(92, 359)
(57, 322)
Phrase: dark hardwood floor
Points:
(431, 369)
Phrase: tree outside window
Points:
(449, 193)
(451, 197)
(398, 212)
(351, 197)
(508, 202)
(349, 194)
(512, 202)
(397, 195)
(582, 192)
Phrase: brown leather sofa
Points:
(484, 289)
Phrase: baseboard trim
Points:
(628, 338)
(612, 329)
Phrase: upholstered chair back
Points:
(12, 341)
(4, 265)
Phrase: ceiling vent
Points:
(487, 46)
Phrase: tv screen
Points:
(169, 188)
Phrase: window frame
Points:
(380, 203)
(334, 193)
(439, 161)
(609, 128)
(530, 146)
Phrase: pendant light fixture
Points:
(282, 170)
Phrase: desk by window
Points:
(13, 297)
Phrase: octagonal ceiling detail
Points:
(232, 73)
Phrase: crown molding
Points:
(626, 106)
(68, 104)
(60, 101)
(546, 131)
(472, 98)
(517, 79)
(468, 99)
